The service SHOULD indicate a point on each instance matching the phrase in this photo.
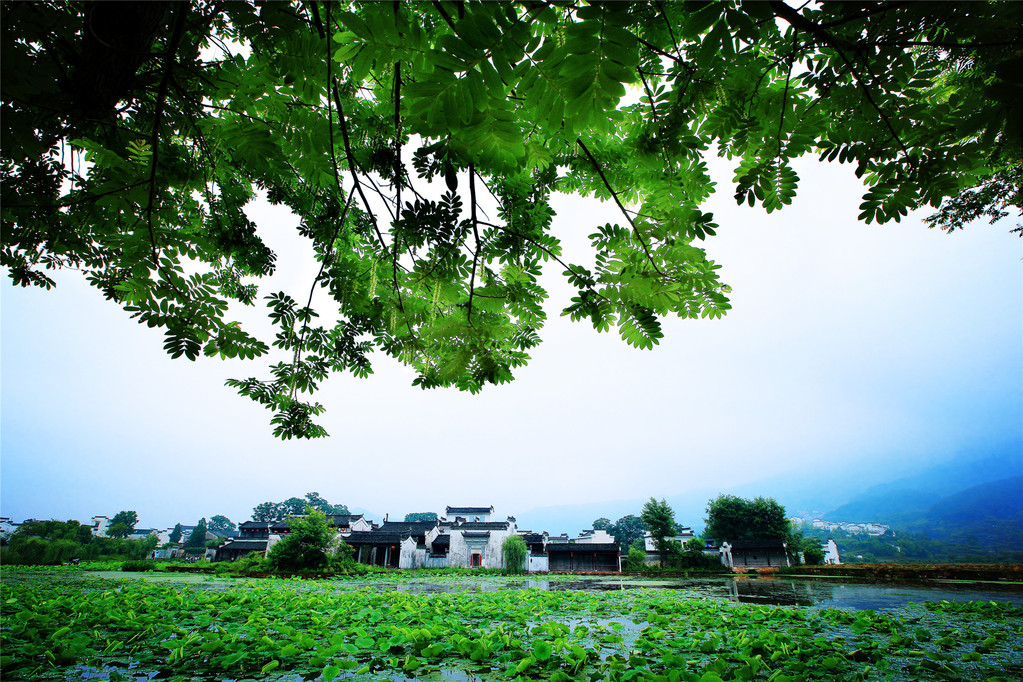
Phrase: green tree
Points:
(221, 523)
(514, 551)
(636, 560)
(198, 536)
(175, 535)
(268, 511)
(123, 524)
(735, 519)
(420, 516)
(315, 501)
(295, 506)
(307, 544)
(813, 555)
(602, 523)
(517, 100)
(628, 529)
(659, 518)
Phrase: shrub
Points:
(305, 546)
(636, 561)
(514, 550)
(138, 565)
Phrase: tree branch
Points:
(614, 194)
(154, 139)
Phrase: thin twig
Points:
(614, 194)
(476, 234)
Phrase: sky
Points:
(857, 348)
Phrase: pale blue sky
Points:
(881, 346)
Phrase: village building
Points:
(755, 554)
(653, 556)
(251, 536)
(830, 550)
(481, 514)
(100, 525)
(478, 544)
(379, 548)
(583, 557)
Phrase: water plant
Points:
(65, 624)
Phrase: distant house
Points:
(7, 527)
(379, 548)
(252, 536)
(830, 550)
(347, 523)
(142, 533)
(653, 556)
(536, 545)
(583, 557)
(100, 525)
(755, 554)
(470, 513)
(478, 544)
(594, 537)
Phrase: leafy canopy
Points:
(197, 538)
(221, 523)
(134, 135)
(736, 519)
(295, 506)
(659, 519)
(308, 545)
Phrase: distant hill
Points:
(985, 514)
(908, 499)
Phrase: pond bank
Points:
(1012, 573)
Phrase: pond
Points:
(816, 592)
(769, 590)
(144, 627)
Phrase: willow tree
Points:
(135, 134)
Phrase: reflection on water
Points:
(784, 591)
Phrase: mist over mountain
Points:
(913, 496)
(902, 491)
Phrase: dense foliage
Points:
(420, 516)
(310, 544)
(295, 506)
(57, 542)
(133, 137)
(659, 519)
(627, 530)
(282, 630)
(735, 519)
(514, 552)
(123, 524)
(221, 523)
(197, 538)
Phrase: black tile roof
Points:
(249, 524)
(343, 519)
(413, 527)
(442, 541)
(469, 510)
(244, 544)
(481, 525)
(476, 534)
(533, 538)
(375, 537)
